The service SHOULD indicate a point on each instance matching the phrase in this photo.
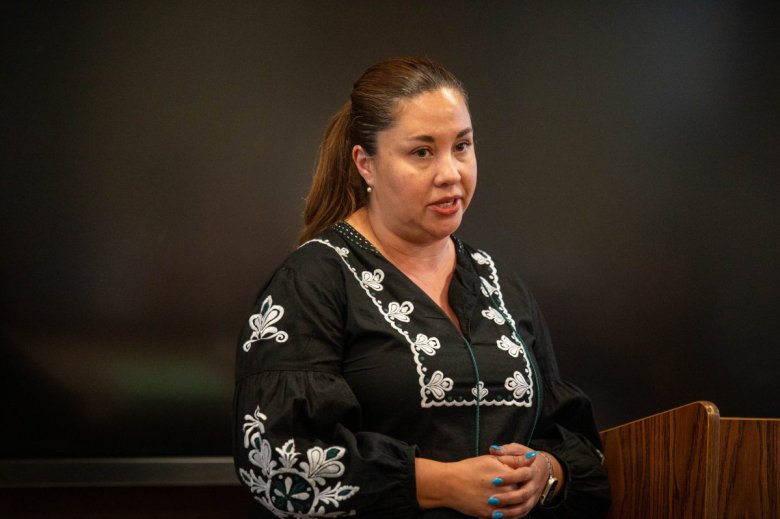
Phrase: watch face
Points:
(548, 491)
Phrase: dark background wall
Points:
(155, 156)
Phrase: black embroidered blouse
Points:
(346, 370)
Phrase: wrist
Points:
(430, 476)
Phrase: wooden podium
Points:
(691, 463)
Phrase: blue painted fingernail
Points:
(498, 481)
(530, 455)
(496, 447)
(498, 515)
(493, 501)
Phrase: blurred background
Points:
(155, 157)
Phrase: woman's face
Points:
(424, 171)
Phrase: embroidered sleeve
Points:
(299, 447)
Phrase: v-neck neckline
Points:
(349, 233)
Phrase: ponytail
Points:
(337, 189)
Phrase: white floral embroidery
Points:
(487, 289)
(434, 388)
(515, 347)
(427, 345)
(343, 251)
(494, 315)
(289, 489)
(400, 311)
(518, 385)
(256, 484)
(287, 454)
(438, 385)
(482, 393)
(260, 456)
(318, 240)
(373, 280)
(253, 423)
(320, 466)
(481, 258)
(262, 324)
(506, 344)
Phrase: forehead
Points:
(438, 109)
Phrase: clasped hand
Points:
(506, 484)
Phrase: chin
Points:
(444, 231)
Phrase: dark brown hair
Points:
(337, 189)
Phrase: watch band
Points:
(549, 489)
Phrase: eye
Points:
(463, 146)
(422, 153)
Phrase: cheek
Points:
(470, 182)
(405, 187)
(394, 189)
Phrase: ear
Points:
(364, 163)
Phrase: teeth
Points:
(446, 204)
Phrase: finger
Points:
(510, 448)
(512, 512)
(517, 461)
(517, 494)
(517, 489)
(517, 478)
(516, 512)
(516, 503)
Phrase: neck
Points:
(398, 250)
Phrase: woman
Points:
(390, 370)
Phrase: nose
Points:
(448, 170)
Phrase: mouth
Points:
(447, 207)
(446, 203)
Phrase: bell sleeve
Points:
(298, 444)
(567, 430)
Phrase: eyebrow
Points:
(428, 138)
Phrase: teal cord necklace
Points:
(477, 395)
